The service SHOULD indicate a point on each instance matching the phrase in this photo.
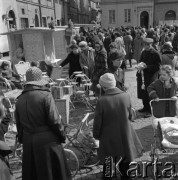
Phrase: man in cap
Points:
(112, 125)
(148, 68)
(168, 56)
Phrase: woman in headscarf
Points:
(112, 125)
(40, 131)
(100, 65)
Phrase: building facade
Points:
(144, 13)
(8, 20)
(166, 12)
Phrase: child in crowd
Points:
(164, 87)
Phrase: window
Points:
(24, 23)
(127, 15)
(112, 18)
(58, 22)
(170, 15)
(44, 21)
(23, 11)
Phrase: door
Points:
(144, 19)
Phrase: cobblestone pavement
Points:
(143, 127)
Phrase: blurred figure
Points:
(138, 46)
(5, 172)
(87, 62)
(128, 40)
(169, 57)
(100, 65)
(164, 87)
(175, 42)
(148, 69)
(40, 131)
(11, 79)
(112, 126)
(116, 59)
(73, 60)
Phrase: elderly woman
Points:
(112, 125)
(100, 65)
(87, 62)
(40, 131)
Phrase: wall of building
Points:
(27, 11)
(161, 9)
(5, 7)
(119, 6)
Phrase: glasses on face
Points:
(97, 46)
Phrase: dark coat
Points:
(113, 128)
(168, 58)
(40, 131)
(128, 40)
(153, 61)
(100, 67)
(73, 61)
(175, 42)
(157, 90)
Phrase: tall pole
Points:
(54, 11)
(154, 3)
(39, 2)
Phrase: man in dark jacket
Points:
(73, 60)
(150, 62)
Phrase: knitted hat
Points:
(34, 77)
(108, 81)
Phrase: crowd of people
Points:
(101, 54)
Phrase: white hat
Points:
(108, 81)
(83, 43)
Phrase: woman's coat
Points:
(40, 131)
(113, 128)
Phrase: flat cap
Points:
(148, 40)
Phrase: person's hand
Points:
(156, 99)
(85, 67)
(7, 83)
